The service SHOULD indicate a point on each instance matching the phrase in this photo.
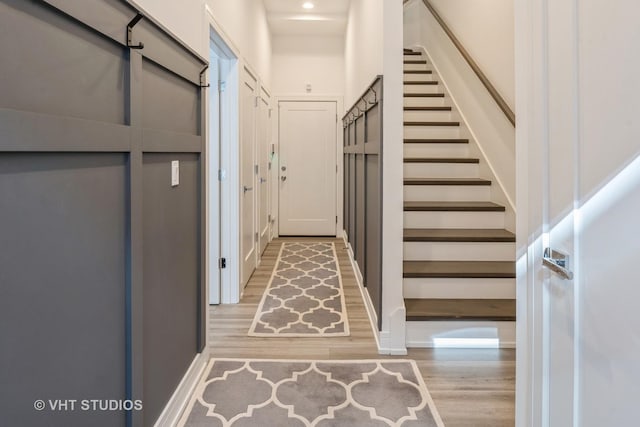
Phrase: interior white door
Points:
(580, 172)
(307, 199)
(248, 232)
(264, 183)
(213, 154)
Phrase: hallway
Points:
(471, 388)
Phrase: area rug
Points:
(304, 296)
(298, 393)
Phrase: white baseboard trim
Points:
(368, 304)
(460, 334)
(178, 402)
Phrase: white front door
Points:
(248, 231)
(307, 183)
(578, 194)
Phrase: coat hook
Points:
(130, 26)
(202, 85)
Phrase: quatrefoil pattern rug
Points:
(304, 296)
(270, 393)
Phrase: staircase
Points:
(459, 260)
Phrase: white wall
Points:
(184, 18)
(303, 59)
(486, 29)
(363, 47)
(244, 22)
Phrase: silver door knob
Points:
(245, 189)
(284, 168)
(263, 180)
(283, 178)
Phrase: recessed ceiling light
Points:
(308, 5)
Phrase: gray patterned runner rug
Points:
(304, 297)
(298, 393)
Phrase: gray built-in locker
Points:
(101, 263)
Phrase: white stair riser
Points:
(423, 102)
(417, 116)
(454, 288)
(446, 193)
(459, 251)
(421, 77)
(441, 170)
(435, 150)
(431, 334)
(448, 219)
(411, 67)
(432, 131)
(422, 89)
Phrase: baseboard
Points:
(178, 402)
(461, 334)
(368, 304)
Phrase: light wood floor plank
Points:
(471, 388)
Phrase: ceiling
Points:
(288, 17)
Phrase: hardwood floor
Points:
(471, 388)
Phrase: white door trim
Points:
(338, 99)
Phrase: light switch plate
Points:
(175, 173)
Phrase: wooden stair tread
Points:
(427, 83)
(431, 108)
(441, 160)
(424, 95)
(459, 269)
(436, 141)
(418, 71)
(452, 123)
(460, 309)
(458, 235)
(411, 52)
(415, 61)
(447, 181)
(452, 206)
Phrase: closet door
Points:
(248, 169)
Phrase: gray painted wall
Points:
(101, 293)
(362, 127)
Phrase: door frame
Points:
(229, 164)
(275, 167)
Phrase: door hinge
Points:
(256, 237)
(269, 218)
(256, 103)
(336, 168)
(336, 219)
(222, 263)
(270, 110)
(256, 169)
(222, 85)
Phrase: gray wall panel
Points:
(359, 201)
(169, 102)
(362, 188)
(373, 268)
(62, 293)
(171, 275)
(52, 65)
